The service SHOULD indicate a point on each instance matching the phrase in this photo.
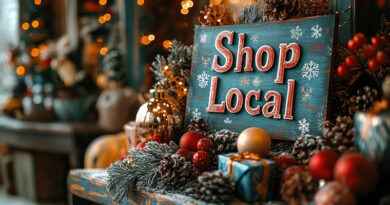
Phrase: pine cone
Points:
(299, 188)
(306, 146)
(224, 141)
(281, 9)
(339, 135)
(363, 100)
(175, 169)
(215, 187)
(316, 8)
(199, 126)
(215, 15)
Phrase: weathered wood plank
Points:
(310, 74)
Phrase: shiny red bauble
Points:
(188, 155)
(335, 193)
(351, 61)
(201, 160)
(205, 145)
(190, 140)
(374, 65)
(342, 70)
(375, 42)
(356, 171)
(352, 45)
(284, 161)
(381, 57)
(359, 39)
(321, 164)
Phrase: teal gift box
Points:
(254, 179)
(372, 137)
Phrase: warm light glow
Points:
(140, 2)
(151, 37)
(234, 1)
(145, 40)
(20, 70)
(37, 2)
(167, 44)
(190, 4)
(25, 26)
(102, 2)
(107, 16)
(35, 52)
(103, 51)
(184, 11)
(35, 24)
(42, 47)
(102, 19)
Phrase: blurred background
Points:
(73, 74)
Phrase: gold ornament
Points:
(11, 105)
(159, 116)
(255, 140)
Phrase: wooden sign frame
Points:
(284, 85)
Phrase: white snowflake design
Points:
(255, 38)
(317, 31)
(196, 114)
(203, 79)
(256, 82)
(296, 33)
(203, 38)
(303, 126)
(310, 70)
(329, 50)
(227, 121)
(306, 94)
(205, 61)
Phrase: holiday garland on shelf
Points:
(190, 167)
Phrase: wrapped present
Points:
(372, 135)
(254, 177)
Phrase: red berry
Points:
(369, 51)
(351, 61)
(205, 145)
(285, 160)
(342, 70)
(383, 42)
(141, 145)
(352, 45)
(375, 42)
(321, 164)
(381, 57)
(360, 39)
(188, 155)
(291, 171)
(373, 64)
(201, 160)
(190, 140)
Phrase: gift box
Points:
(254, 177)
(372, 136)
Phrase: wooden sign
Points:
(274, 75)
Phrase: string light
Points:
(25, 26)
(151, 37)
(102, 20)
(103, 50)
(167, 44)
(186, 4)
(37, 2)
(140, 2)
(99, 39)
(184, 11)
(145, 40)
(102, 2)
(20, 70)
(35, 24)
(35, 52)
(107, 16)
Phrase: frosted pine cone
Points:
(224, 141)
(175, 169)
(215, 187)
(215, 15)
(299, 188)
(199, 126)
(281, 9)
(306, 146)
(339, 135)
(363, 100)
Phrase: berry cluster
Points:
(368, 55)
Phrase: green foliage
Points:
(251, 14)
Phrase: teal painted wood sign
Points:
(274, 75)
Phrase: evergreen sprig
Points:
(251, 14)
(142, 173)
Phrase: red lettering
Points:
(224, 51)
(249, 109)
(269, 61)
(213, 94)
(229, 98)
(240, 55)
(275, 104)
(290, 100)
(296, 52)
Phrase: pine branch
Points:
(251, 14)
(158, 66)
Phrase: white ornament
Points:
(296, 33)
(317, 31)
(203, 38)
(303, 126)
(196, 114)
(310, 70)
(227, 121)
(203, 79)
(256, 82)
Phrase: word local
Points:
(277, 98)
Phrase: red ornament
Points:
(285, 160)
(369, 51)
(190, 140)
(291, 171)
(351, 61)
(205, 145)
(356, 171)
(373, 64)
(359, 39)
(335, 193)
(381, 57)
(141, 145)
(321, 164)
(375, 42)
(188, 155)
(201, 160)
(352, 45)
(342, 70)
